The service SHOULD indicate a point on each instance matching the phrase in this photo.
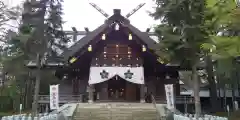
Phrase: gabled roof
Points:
(150, 43)
(143, 36)
(83, 41)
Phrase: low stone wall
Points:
(44, 116)
(192, 117)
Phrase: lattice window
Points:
(117, 55)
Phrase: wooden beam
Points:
(148, 30)
(77, 32)
(85, 32)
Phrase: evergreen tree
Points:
(9, 87)
(29, 41)
(224, 35)
(182, 32)
(50, 37)
(54, 32)
(185, 18)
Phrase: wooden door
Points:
(131, 92)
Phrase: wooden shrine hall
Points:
(116, 62)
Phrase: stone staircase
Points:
(115, 111)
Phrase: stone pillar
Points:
(142, 93)
(90, 93)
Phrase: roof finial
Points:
(135, 10)
(116, 11)
(99, 10)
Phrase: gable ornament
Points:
(128, 74)
(104, 74)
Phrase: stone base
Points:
(142, 101)
(90, 101)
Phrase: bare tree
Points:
(9, 19)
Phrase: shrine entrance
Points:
(117, 84)
(117, 89)
(121, 90)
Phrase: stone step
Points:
(115, 111)
(116, 115)
(116, 118)
(119, 112)
(142, 105)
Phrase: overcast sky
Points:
(80, 14)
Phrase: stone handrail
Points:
(66, 111)
(155, 105)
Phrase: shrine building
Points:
(115, 62)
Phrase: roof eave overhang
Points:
(82, 42)
(48, 65)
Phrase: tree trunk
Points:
(37, 87)
(213, 87)
(27, 91)
(196, 89)
(234, 80)
(225, 98)
(233, 96)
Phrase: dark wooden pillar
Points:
(80, 96)
(131, 91)
(160, 88)
(177, 87)
(142, 93)
(75, 86)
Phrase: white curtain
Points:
(131, 74)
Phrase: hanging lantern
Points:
(160, 60)
(117, 26)
(90, 48)
(144, 48)
(103, 37)
(65, 77)
(73, 59)
(130, 37)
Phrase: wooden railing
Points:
(178, 100)
(62, 98)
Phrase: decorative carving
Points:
(104, 74)
(128, 74)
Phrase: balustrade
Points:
(178, 99)
(79, 98)
(62, 98)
